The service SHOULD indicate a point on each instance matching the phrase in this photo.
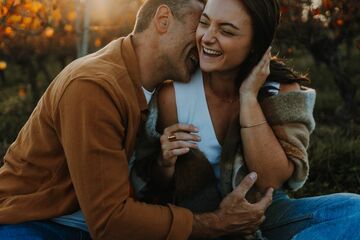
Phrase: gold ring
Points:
(171, 137)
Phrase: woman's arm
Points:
(167, 116)
(262, 150)
(164, 167)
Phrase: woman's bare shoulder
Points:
(166, 105)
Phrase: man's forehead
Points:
(199, 4)
(196, 10)
(202, 1)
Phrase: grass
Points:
(334, 152)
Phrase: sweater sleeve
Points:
(291, 117)
(92, 130)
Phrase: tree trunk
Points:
(346, 87)
(2, 78)
(327, 51)
(32, 74)
(43, 68)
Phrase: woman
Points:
(243, 119)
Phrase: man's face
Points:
(180, 55)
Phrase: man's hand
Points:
(235, 215)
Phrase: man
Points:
(74, 150)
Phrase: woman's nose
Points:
(209, 36)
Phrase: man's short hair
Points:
(148, 10)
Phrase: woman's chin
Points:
(207, 67)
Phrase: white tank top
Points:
(192, 108)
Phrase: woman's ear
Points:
(162, 18)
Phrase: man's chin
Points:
(183, 79)
(187, 78)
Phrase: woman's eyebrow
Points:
(229, 24)
(205, 15)
(223, 24)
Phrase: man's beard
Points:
(172, 71)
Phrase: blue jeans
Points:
(328, 217)
(41, 230)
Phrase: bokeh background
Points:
(320, 38)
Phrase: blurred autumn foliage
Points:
(32, 32)
(319, 37)
(322, 29)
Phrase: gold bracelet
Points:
(254, 125)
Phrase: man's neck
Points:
(146, 52)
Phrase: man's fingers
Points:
(249, 236)
(263, 218)
(265, 202)
(246, 184)
(180, 127)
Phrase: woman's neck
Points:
(222, 85)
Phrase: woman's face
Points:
(224, 35)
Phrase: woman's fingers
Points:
(263, 61)
(175, 153)
(187, 136)
(177, 140)
(180, 128)
(179, 136)
(178, 145)
(264, 64)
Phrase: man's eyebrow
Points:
(223, 24)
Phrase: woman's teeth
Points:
(212, 52)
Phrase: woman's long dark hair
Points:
(265, 16)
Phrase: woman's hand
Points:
(177, 140)
(257, 77)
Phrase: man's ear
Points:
(162, 18)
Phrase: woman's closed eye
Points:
(227, 32)
(204, 23)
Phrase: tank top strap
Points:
(187, 96)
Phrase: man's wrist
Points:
(206, 225)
